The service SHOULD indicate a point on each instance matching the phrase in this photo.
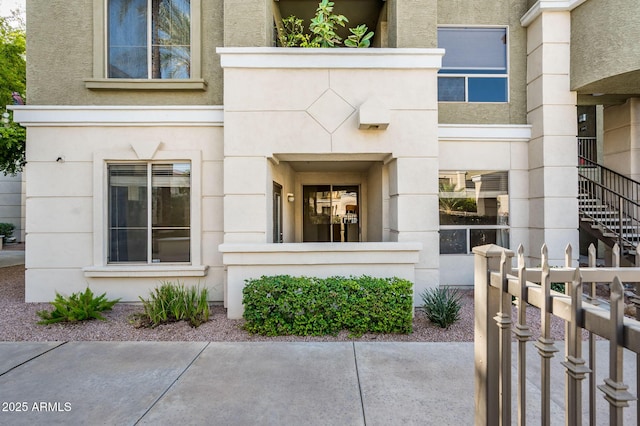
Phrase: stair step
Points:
(599, 209)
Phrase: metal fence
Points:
(497, 283)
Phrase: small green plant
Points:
(292, 33)
(174, 302)
(324, 24)
(559, 287)
(359, 37)
(6, 229)
(322, 30)
(442, 306)
(309, 306)
(77, 307)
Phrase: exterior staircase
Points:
(608, 205)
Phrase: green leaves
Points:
(359, 37)
(174, 302)
(6, 229)
(13, 77)
(12, 147)
(308, 306)
(322, 30)
(324, 23)
(442, 306)
(77, 307)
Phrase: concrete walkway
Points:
(11, 258)
(199, 383)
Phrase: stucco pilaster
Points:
(413, 23)
(622, 138)
(254, 18)
(551, 111)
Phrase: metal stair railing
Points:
(610, 201)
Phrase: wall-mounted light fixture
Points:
(373, 115)
(290, 197)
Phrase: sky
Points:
(7, 5)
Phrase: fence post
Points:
(614, 389)
(523, 334)
(486, 334)
(503, 323)
(575, 365)
(544, 344)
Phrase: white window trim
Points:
(466, 76)
(468, 229)
(100, 80)
(100, 266)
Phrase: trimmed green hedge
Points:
(307, 306)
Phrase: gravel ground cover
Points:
(18, 322)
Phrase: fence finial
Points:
(592, 255)
(520, 256)
(567, 256)
(544, 252)
(616, 256)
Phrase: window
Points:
(474, 210)
(330, 213)
(149, 213)
(474, 67)
(149, 39)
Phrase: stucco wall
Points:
(622, 138)
(490, 12)
(60, 49)
(412, 23)
(604, 43)
(66, 225)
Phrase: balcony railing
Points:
(496, 283)
(609, 200)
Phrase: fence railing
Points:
(496, 283)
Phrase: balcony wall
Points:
(605, 48)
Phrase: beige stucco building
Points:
(212, 156)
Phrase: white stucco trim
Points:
(321, 253)
(548, 6)
(117, 271)
(484, 132)
(91, 115)
(287, 57)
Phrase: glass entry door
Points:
(331, 213)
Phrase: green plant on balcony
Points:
(6, 230)
(322, 30)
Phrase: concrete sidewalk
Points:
(119, 383)
(200, 383)
(11, 258)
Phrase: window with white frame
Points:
(474, 66)
(149, 39)
(149, 207)
(474, 210)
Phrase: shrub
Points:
(77, 307)
(174, 302)
(307, 306)
(6, 229)
(442, 306)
